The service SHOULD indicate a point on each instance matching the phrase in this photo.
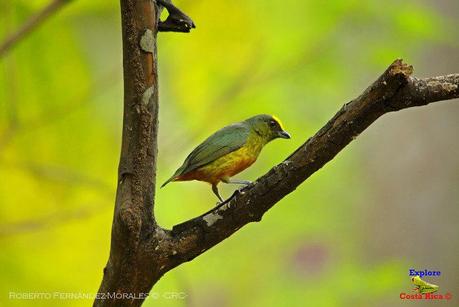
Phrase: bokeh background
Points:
(346, 237)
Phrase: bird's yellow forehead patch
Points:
(278, 121)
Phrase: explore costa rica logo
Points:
(424, 290)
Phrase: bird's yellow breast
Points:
(228, 165)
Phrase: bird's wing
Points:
(222, 142)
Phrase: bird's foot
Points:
(222, 202)
(177, 21)
(246, 182)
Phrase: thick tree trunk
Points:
(129, 271)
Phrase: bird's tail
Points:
(169, 180)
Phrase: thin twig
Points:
(32, 23)
(54, 219)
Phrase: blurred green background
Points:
(346, 237)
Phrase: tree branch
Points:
(394, 90)
(129, 270)
(34, 22)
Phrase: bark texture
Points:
(130, 268)
(141, 251)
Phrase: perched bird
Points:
(229, 151)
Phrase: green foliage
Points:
(60, 131)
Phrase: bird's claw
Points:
(244, 187)
(246, 183)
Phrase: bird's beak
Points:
(284, 134)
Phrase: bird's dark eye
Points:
(273, 123)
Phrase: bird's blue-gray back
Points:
(222, 142)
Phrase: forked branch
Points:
(141, 251)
